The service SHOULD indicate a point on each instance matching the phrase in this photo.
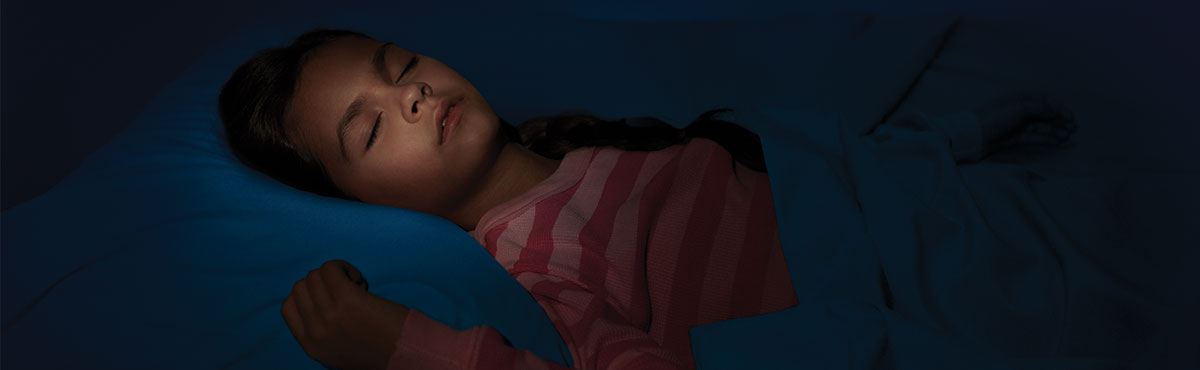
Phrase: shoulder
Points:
(701, 153)
(695, 152)
(705, 146)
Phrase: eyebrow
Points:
(379, 60)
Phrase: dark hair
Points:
(253, 102)
(554, 136)
(252, 106)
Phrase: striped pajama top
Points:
(625, 251)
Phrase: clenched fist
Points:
(338, 323)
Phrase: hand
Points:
(338, 323)
(1024, 120)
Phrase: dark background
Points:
(75, 72)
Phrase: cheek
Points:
(406, 180)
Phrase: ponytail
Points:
(554, 136)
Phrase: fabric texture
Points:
(626, 251)
(903, 258)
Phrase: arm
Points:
(338, 323)
(429, 344)
(599, 337)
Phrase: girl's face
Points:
(372, 114)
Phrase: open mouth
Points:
(446, 116)
(449, 119)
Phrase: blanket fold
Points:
(904, 259)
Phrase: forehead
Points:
(329, 81)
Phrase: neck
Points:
(516, 171)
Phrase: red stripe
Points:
(582, 328)
(540, 243)
(548, 289)
(697, 245)
(718, 281)
(596, 234)
(653, 196)
(491, 238)
(643, 345)
(756, 248)
(594, 238)
(546, 292)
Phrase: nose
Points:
(415, 102)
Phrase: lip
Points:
(452, 115)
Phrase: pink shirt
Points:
(625, 251)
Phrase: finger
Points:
(304, 305)
(291, 316)
(355, 275)
(351, 272)
(340, 277)
(318, 289)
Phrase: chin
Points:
(490, 127)
(481, 144)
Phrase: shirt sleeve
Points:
(428, 344)
(598, 336)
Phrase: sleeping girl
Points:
(627, 235)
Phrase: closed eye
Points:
(411, 62)
(374, 131)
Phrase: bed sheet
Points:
(1078, 257)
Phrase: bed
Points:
(161, 251)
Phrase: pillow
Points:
(162, 251)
